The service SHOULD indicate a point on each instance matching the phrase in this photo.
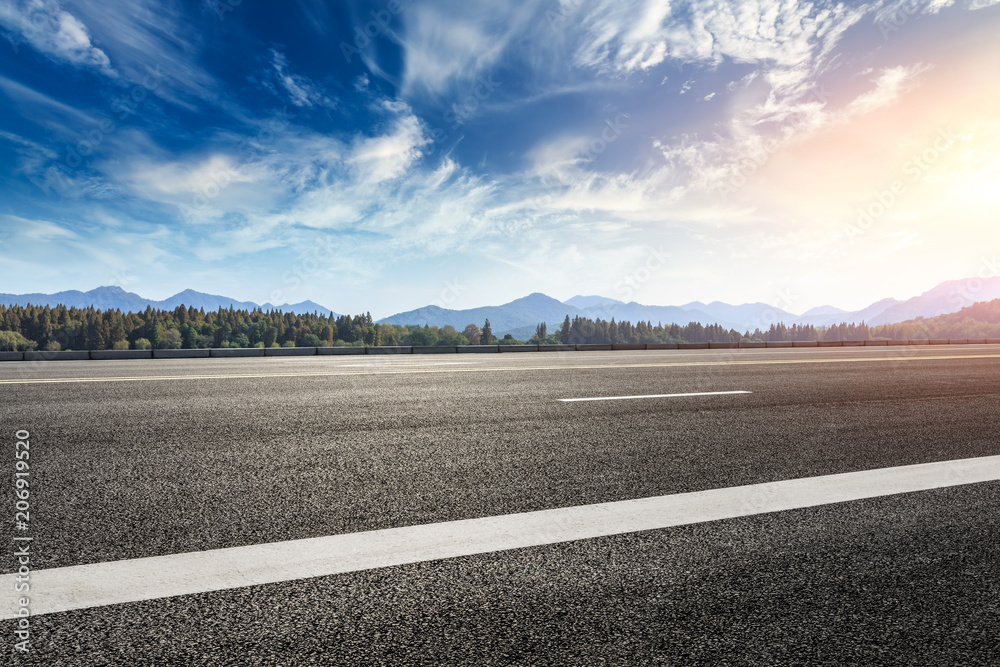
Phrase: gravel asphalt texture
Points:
(128, 469)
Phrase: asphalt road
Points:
(155, 457)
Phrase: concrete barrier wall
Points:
(62, 355)
(200, 353)
(121, 354)
(477, 348)
(237, 352)
(289, 351)
(40, 355)
(388, 349)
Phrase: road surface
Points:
(150, 458)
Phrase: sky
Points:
(382, 156)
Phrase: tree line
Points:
(60, 328)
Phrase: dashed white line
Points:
(85, 586)
(627, 398)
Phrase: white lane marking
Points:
(406, 364)
(492, 369)
(85, 586)
(625, 398)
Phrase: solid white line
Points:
(84, 586)
(625, 398)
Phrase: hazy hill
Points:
(823, 310)
(584, 302)
(104, 298)
(519, 317)
(980, 320)
(526, 312)
(741, 317)
(635, 312)
(113, 297)
(986, 311)
(856, 316)
(948, 297)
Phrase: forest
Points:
(60, 328)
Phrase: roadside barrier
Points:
(231, 352)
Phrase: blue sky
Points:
(382, 156)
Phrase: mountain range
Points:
(521, 316)
(112, 297)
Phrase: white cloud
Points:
(55, 32)
(722, 162)
(388, 156)
(449, 45)
(38, 230)
(34, 104)
(145, 38)
(784, 34)
(890, 85)
(301, 91)
(374, 191)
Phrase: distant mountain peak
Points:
(823, 310)
(592, 301)
(536, 297)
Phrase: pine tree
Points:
(564, 332)
(487, 335)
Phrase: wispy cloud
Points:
(891, 84)
(449, 44)
(620, 40)
(301, 91)
(144, 36)
(39, 230)
(54, 32)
